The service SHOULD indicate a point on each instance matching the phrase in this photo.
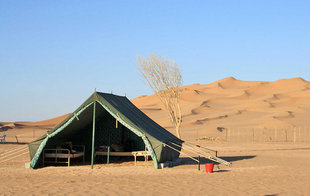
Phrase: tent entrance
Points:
(108, 132)
(111, 133)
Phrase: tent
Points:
(105, 119)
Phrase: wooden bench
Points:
(62, 155)
(135, 154)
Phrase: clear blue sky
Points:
(53, 54)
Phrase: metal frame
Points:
(62, 153)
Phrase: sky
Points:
(54, 54)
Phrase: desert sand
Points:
(259, 166)
(257, 169)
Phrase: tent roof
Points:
(122, 107)
(131, 114)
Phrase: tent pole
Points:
(93, 136)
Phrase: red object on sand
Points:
(209, 167)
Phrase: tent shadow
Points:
(189, 161)
(220, 171)
(19, 143)
(237, 158)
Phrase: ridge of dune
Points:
(228, 79)
(52, 121)
(49, 123)
(295, 79)
(44, 123)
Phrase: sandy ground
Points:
(257, 169)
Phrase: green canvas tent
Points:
(105, 119)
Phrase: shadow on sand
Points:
(18, 143)
(189, 161)
(203, 161)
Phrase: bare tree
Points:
(164, 78)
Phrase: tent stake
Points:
(93, 138)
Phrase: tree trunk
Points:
(177, 129)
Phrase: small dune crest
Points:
(291, 82)
(231, 82)
(286, 115)
(219, 117)
(202, 108)
(52, 121)
(191, 94)
(147, 101)
(44, 124)
(227, 80)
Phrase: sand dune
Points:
(234, 103)
(50, 123)
(28, 131)
(228, 103)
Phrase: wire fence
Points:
(234, 134)
(16, 136)
(260, 135)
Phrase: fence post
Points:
(253, 134)
(197, 138)
(294, 135)
(231, 135)
(275, 134)
(257, 135)
(282, 135)
(226, 133)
